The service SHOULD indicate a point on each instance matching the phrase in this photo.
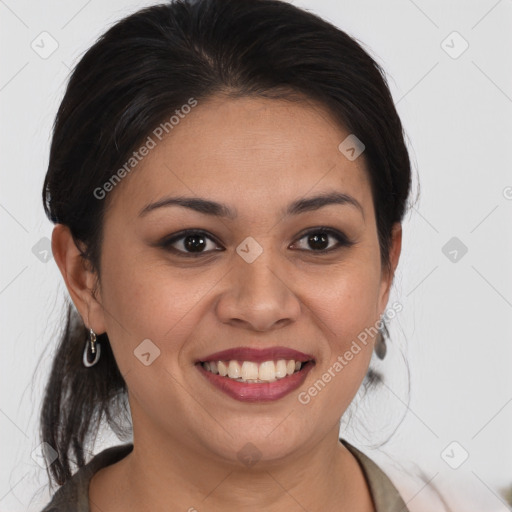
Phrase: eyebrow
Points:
(208, 207)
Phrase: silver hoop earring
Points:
(95, 350)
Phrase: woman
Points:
(228, 180)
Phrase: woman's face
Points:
(257, 279)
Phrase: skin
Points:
(256, 156)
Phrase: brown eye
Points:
(317, 240)
(190, 243)
(194, 243)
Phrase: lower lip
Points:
(258, 392)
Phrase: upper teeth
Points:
(249, 371)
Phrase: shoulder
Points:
(73, 495)
(385, 495)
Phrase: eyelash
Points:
(342, 240)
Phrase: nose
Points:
(259, 296)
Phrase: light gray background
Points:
(455, 329)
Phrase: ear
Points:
(80, 280)
(388, 275)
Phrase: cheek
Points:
(344, 313)
(148, 330)
(346, 309)
(340, 373)
(147, 299)
(346, 298)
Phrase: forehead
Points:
(248, 152)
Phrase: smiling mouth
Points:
(252, 372)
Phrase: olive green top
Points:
(73, 496)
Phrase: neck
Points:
(161, 471)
